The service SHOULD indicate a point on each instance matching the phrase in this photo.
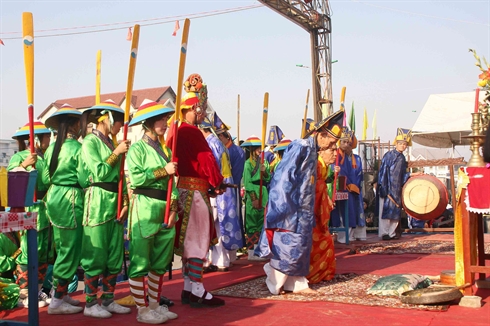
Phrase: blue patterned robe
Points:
(355, 203)
(391, 178)
(229, 223)
(290, 218)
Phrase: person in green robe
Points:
(64, 202)
(254, 209)
(9, 251)
(103, 228)
(27, 160)
(151, 242)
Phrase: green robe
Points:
(7, 249)
(254, 218)
(64, 199)
(100, 205)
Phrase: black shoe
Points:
(166, 301)
(386, 237)
(201, 302)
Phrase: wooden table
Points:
(473, 202)
(18, 222)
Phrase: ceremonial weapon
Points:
(28, 40)
(303, 131)
(342, 108)
(394, 202)
(264, 127)
(129, 91)
(97, 78)
(177, 117)
(238, 122)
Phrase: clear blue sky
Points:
(391, 56)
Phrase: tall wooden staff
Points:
(178, 113)
(97, 78)
(264, 127)
(303, 131)
(129, 92)
(238, 122)
(28, 40)
(342, 108)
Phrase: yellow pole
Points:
(97, 78)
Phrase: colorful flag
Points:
(129, 37)
(374, 126)
(352, 118)
(1, 42)
(176, 28)
(364, 125)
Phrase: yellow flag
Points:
(374, 126)
(364, 125)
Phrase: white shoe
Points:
(41, 296)
(116, 308)
(64, 309)
(163, 310)
(96, 311)
(148, 316)
(40, 303)
(70, 300)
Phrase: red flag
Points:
(176, 28)
(1, 42)
(129, 37)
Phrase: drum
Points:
(424, 197)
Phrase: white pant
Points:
(276, 280)
(386, 226)
(218, 255)
(360, 232)
(341, 238)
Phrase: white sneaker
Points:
(116, 308)
(40, 303)
(96, 311)
(163, 310)
(148, 316)
(64, 309)
(43, 296)
(70, 300)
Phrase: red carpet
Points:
(239, 311)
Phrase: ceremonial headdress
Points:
(108, 107)
(283, 144)
(275, 136)
(149, 109)
(309, 125)
(66, 110)
(23, 133)
(252, 141)
(348, 134)
(217, 124)
(403, 134)
(193, 84)
(331, 124)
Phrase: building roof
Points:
(154, 94)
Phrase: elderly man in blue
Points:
(225, 212)
(391, 178)
(287, 237)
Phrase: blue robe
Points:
(237, 160)
(229, 223)
(391, 178)
(354, 201)
(290, 218)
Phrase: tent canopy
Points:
(444, 119)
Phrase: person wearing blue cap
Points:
(64, 202)
(151, 245)
(287, 236)
(103, 228)
(26, 160)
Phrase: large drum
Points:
(424, 197)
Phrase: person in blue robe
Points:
(392, 176)
(287, 236)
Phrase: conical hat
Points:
(149, 109)
(39, 128)
(65, 110)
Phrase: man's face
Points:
(223, 139)
(329, 155)
(401, 145)
(325, 140)
(346, 145)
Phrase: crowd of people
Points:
(288, 203)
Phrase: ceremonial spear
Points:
(177, 117)
(97, 78)
(238, 122)
(303, 129)
(342, 108)
(129, 91)
(264, 127)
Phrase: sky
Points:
(391, 56)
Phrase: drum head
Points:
(424, 197)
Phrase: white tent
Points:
(445, 119)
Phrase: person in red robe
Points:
(199, 176)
